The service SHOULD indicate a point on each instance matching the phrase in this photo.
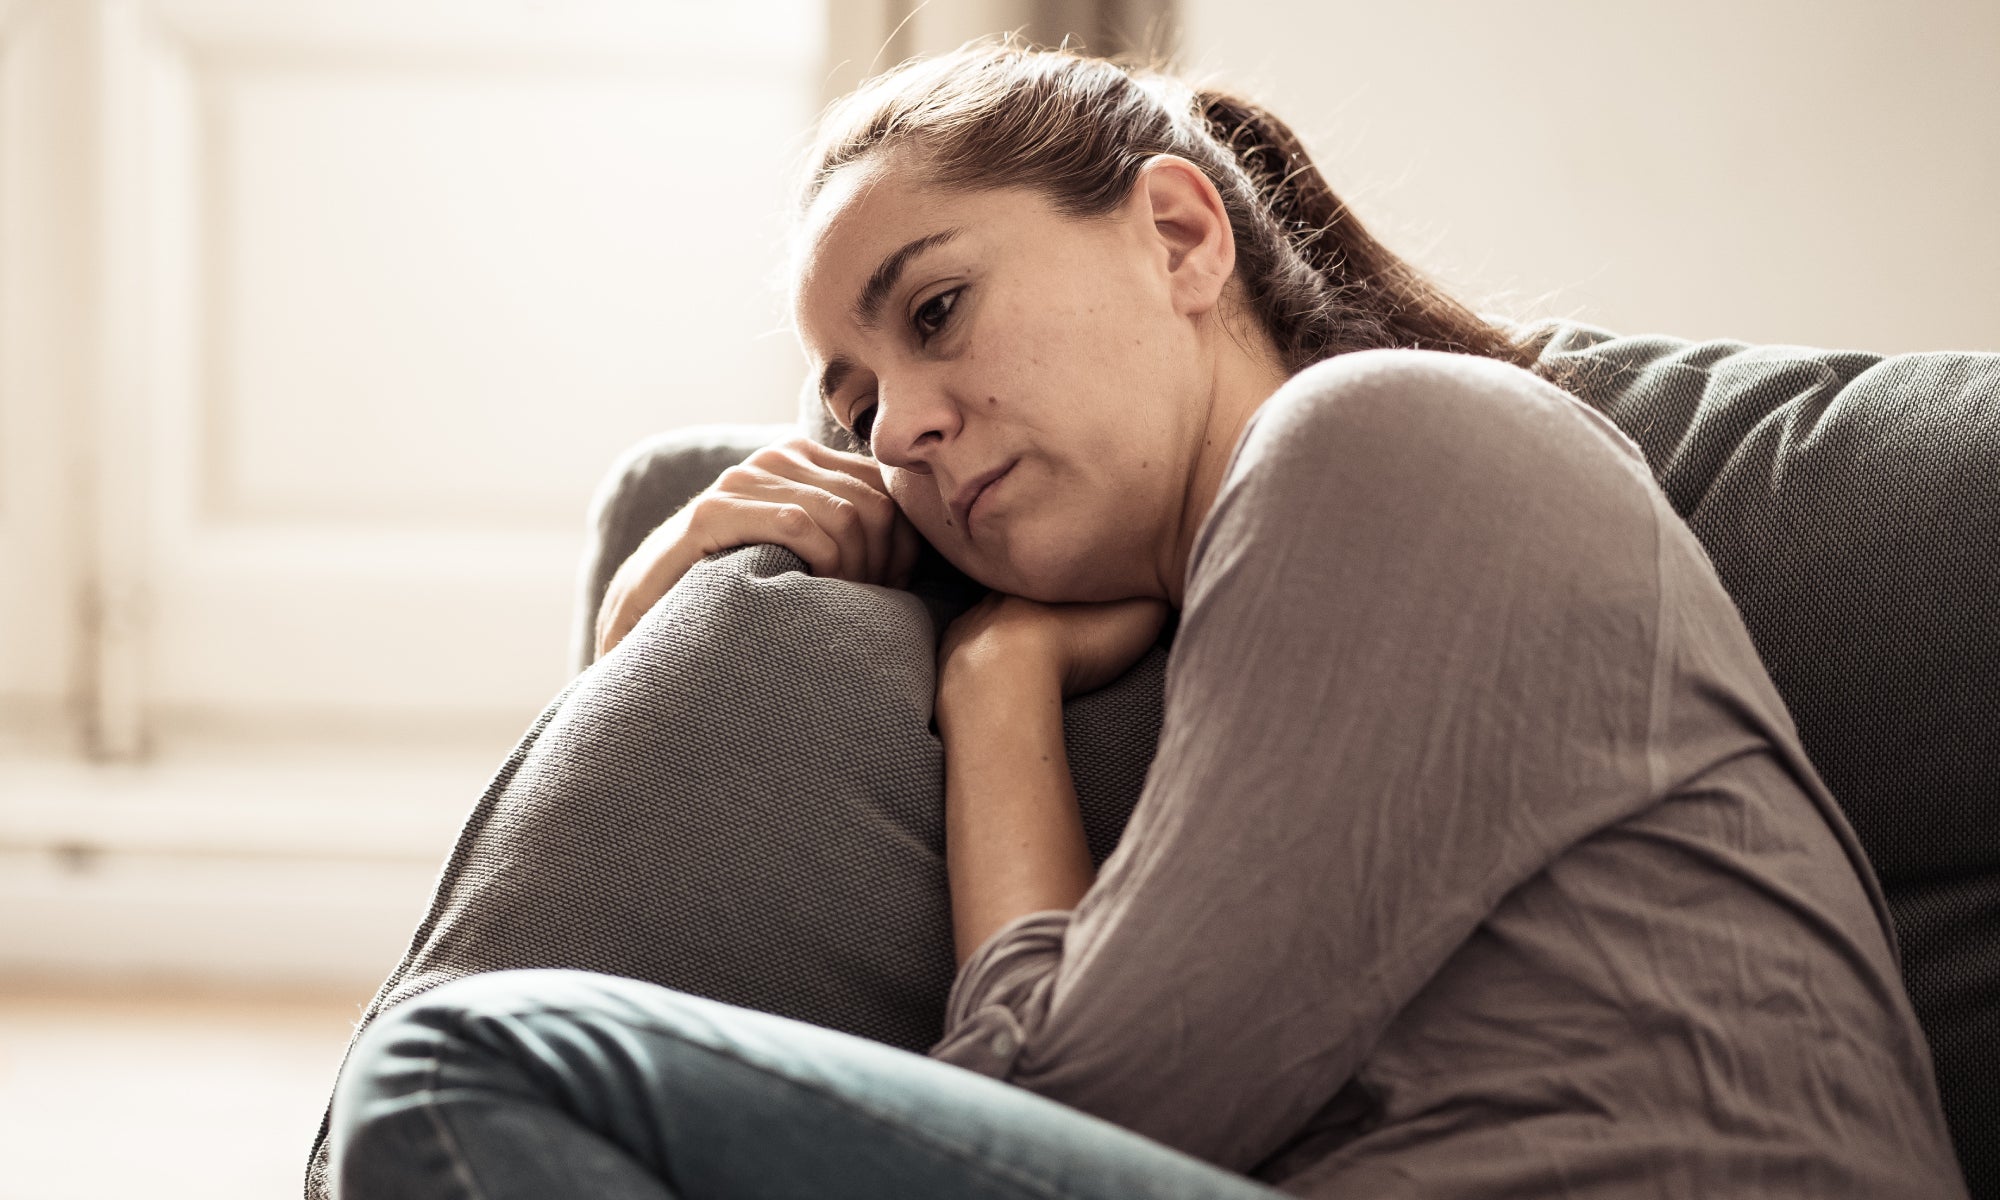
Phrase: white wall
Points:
(319, 322)
(1770, 170)
(321, 319)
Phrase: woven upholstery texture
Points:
(744, 800)
(1850, 503)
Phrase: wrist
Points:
(1003, 677)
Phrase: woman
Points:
(1478, 858)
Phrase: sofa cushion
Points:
(744, 799)
(1850, 503)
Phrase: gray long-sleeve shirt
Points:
(1479, 856)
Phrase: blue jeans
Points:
(552, 1083)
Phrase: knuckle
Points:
(844, 514)
(736, 477)
(707, 506)
(771, 457)
(793, 519)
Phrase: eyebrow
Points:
(837, 370)
(883, 281)
(868, 306)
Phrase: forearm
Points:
(1014, 839)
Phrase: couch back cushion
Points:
(1850, 503)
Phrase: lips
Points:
(961, 504)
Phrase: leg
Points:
(557, 1083)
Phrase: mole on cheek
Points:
(992, 399)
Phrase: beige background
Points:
(1824, 173)
(319, 322)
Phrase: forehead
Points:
(864, 212)
(872, 208)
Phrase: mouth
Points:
(969, 496)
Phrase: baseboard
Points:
(306, 869)
(325, 923)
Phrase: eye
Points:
(864, 425)
(933, 313)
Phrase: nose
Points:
(914, 417)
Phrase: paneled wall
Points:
(318, 324)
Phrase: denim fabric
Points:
(552, 1083)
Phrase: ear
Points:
(1189, 226)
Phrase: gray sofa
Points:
(1850, 503)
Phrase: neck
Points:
(1243, 378)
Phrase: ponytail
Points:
(1290, 187)
(1359, 294)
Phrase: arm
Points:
(1014, 840)
(1415, 664)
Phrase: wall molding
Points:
(303, 869)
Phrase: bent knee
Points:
(410, 1033)
(398, 1051)
(491, 993)
(438, 1043)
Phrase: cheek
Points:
(920, 503)
(917, 496)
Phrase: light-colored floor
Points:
(110, 1092)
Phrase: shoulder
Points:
(1394, 446)
(1423, 395)
(1425, 417)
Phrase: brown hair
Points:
(1079, 129)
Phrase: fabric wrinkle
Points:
(1469, 745)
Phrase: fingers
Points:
(899, 541)
(859, 466)
(722, 520)
(853, 477)
(835, 515)
(843, 493)
(830, 508)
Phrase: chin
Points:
(1051, 575)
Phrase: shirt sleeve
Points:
(1418, 658)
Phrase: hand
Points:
(828, 507)
(1081, 646)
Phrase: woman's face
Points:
(961, 333)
